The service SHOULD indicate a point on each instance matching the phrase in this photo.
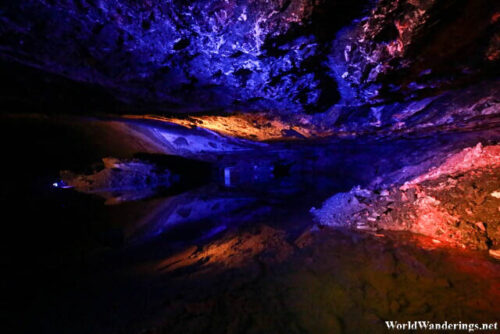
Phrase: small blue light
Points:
(61, 185)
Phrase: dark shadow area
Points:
(34, 91)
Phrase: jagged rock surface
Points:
(120, 175)
(286, 56)
(456, 202)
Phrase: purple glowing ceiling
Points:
(287, 56)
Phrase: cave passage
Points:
(244, 166)
(240, 234)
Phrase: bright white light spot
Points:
(496, 194)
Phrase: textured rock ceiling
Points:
(370, 59)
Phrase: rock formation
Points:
(357, 61)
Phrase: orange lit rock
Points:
(454, 203)
(495, 253)
(258, 126)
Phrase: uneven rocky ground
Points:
(456, 202)
(261, 278)
(320, 290)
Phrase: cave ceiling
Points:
(357, 64)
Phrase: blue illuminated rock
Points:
(120, 175)
(287, 57)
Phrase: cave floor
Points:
(269, 276)
(261, 267)
(244, 258)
